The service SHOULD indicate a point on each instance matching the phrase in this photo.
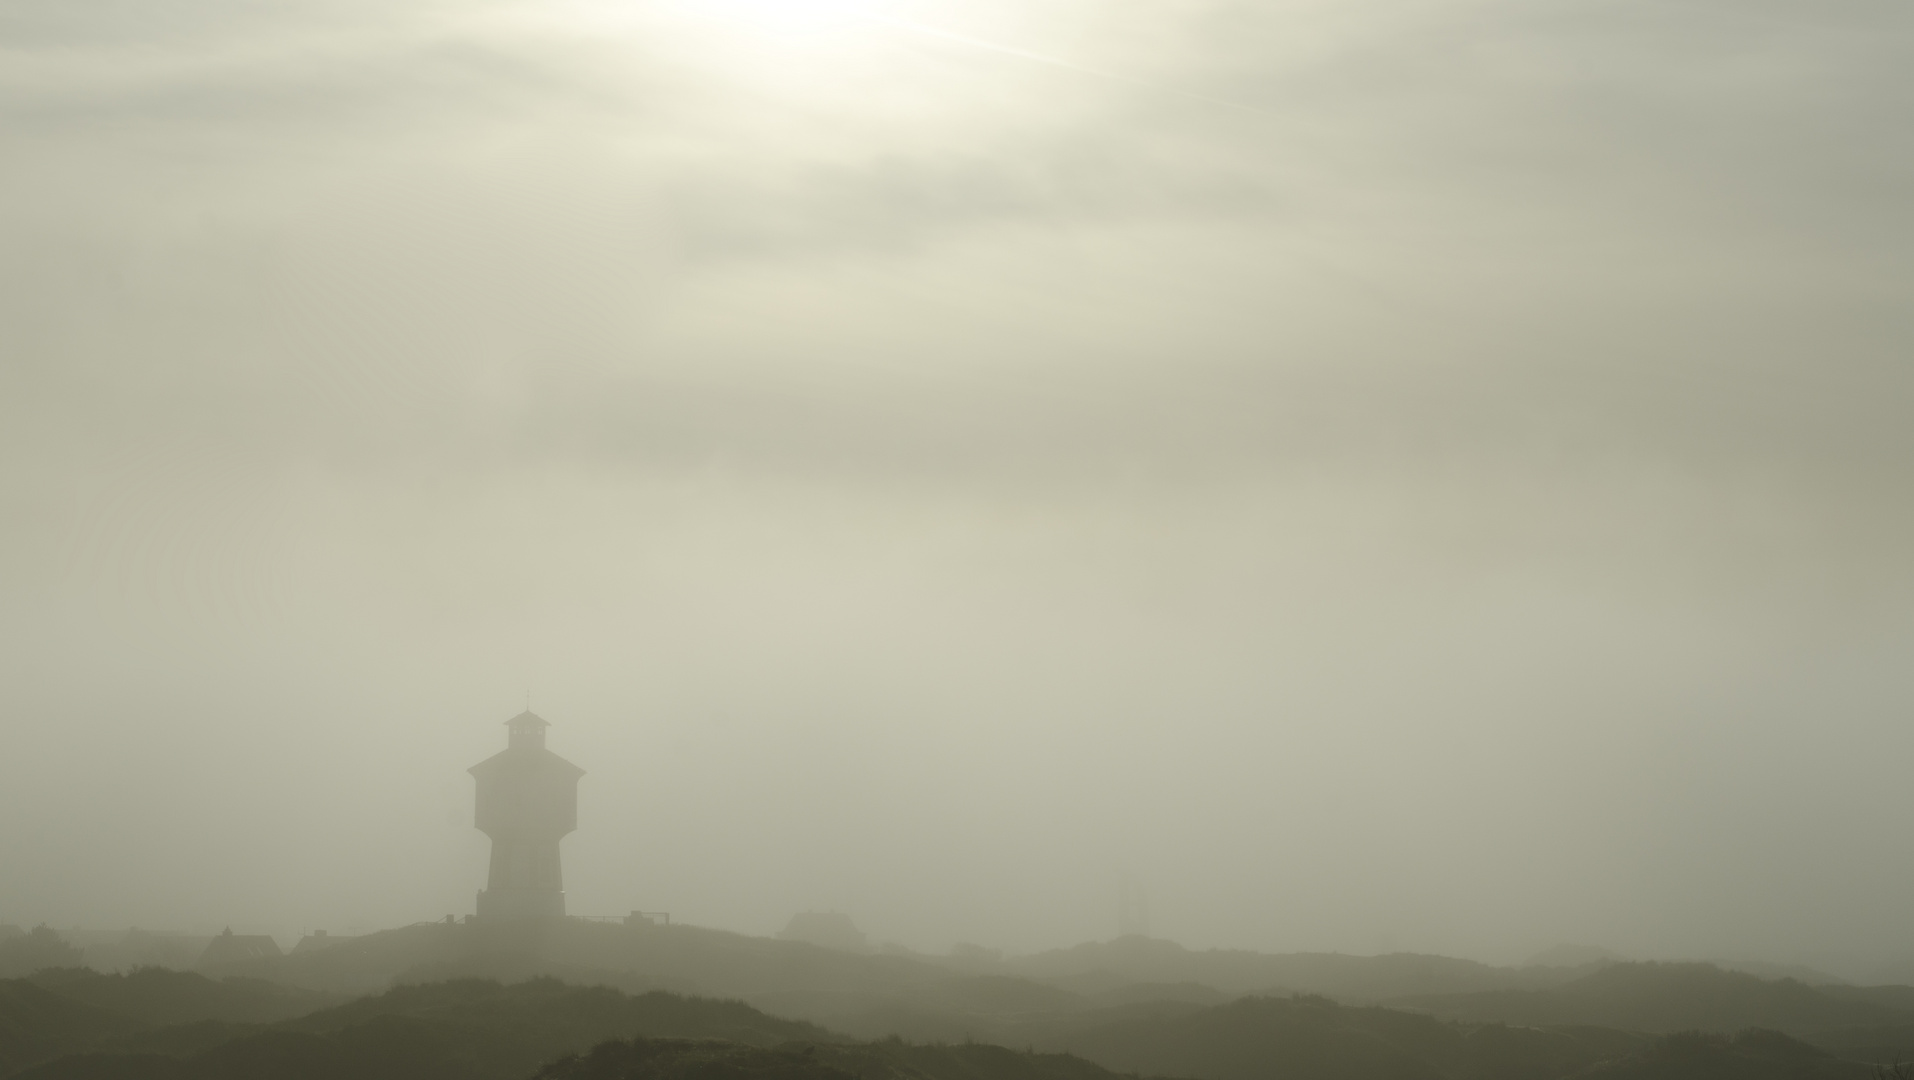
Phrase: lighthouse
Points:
(527, 802)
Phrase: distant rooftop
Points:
(230, 948)
(526, 719)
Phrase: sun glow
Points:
(792, 17)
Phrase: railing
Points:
(657, 917)
(660, 917)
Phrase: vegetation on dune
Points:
(1313, 1038)
(1666, 997)
(588, 1012)
(1751, 1055)
(154, 996)
(65, 1024)
(461, 1030)
(41, 947)
(1755, 1054)
(1100, 966)
(680, 1060)
(1889, 1045)
(98, 1066)
(59, 1011)
(36, 1023)
(890, 1059)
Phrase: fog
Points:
(1390, 476)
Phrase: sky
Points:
(1403, 475)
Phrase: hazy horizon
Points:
(1396, 476)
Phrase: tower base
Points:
(521, 905)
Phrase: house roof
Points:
(320, 940)
(230, 947)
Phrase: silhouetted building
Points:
(231, 948)
(527, 802)
(318, 940)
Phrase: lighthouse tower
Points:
(527, 801)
